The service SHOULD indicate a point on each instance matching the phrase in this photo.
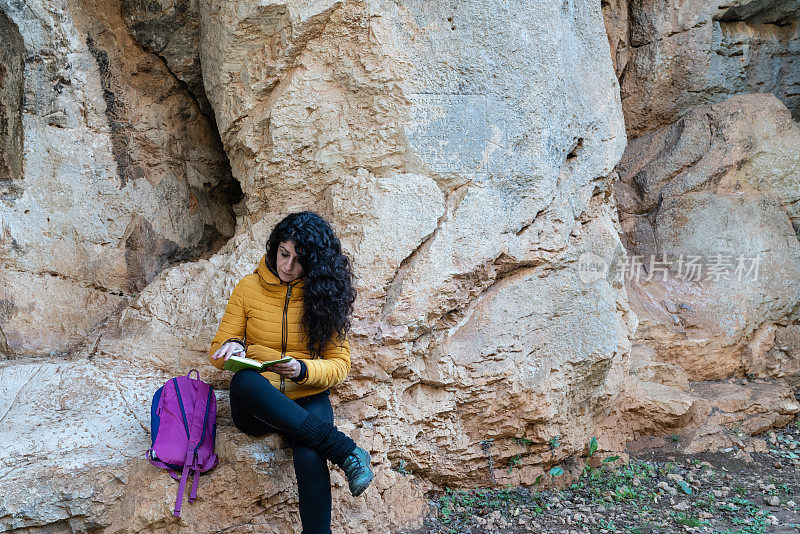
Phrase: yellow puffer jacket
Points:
(266, 313)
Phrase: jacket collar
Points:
(269, 279)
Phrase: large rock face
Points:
(462, 153)
(673, 56)
(465, 154)
(707, 198)
(108, 170)
(718, 191)
(493, 180)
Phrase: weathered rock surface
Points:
(727, 413)
(109, 174)
(658, 401)
(11, 89)
(496, 208)
(782, 358)
(718, 188)
(708, 416)
(615, 16)
(465, 164)
(673, 56)
(464, 154)
(172, 31)
(97, 411)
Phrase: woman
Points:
(298, 304)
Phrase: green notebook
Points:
(236, 363)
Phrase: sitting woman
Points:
(297, 304)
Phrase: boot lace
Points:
(353, 463)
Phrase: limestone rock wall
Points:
(497, 203)
(110, 173)
(673, 56)
(460, 219)
(170, 30)
(717, 190)
(467, 155)
(463, 154)
(707, 192)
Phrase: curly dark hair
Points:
(328, 279)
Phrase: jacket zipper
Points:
(285, 331)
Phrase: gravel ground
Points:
(658, 491)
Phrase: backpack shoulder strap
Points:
(196, 436)
(202, 407)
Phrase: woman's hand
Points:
(226, 350)
(290, 369)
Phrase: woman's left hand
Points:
(290, 369)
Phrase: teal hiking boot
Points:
(359, 474)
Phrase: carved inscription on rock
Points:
(450, 132)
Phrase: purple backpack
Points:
(183, 424)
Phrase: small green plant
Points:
(554, 442)
(606, 524)
(690, 520)
(401, 467)
(675, 437)
(523, 441)
(624, 492)
(457, 507)
(557, 471)
(608, 482)
(514, 461)
(647, 527)
(755, 521)
(705, 503)
(592, 445)
(486, 444)
(686, 488)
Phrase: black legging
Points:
(258, 408)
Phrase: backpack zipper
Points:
(183, 412)
(285, 331)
